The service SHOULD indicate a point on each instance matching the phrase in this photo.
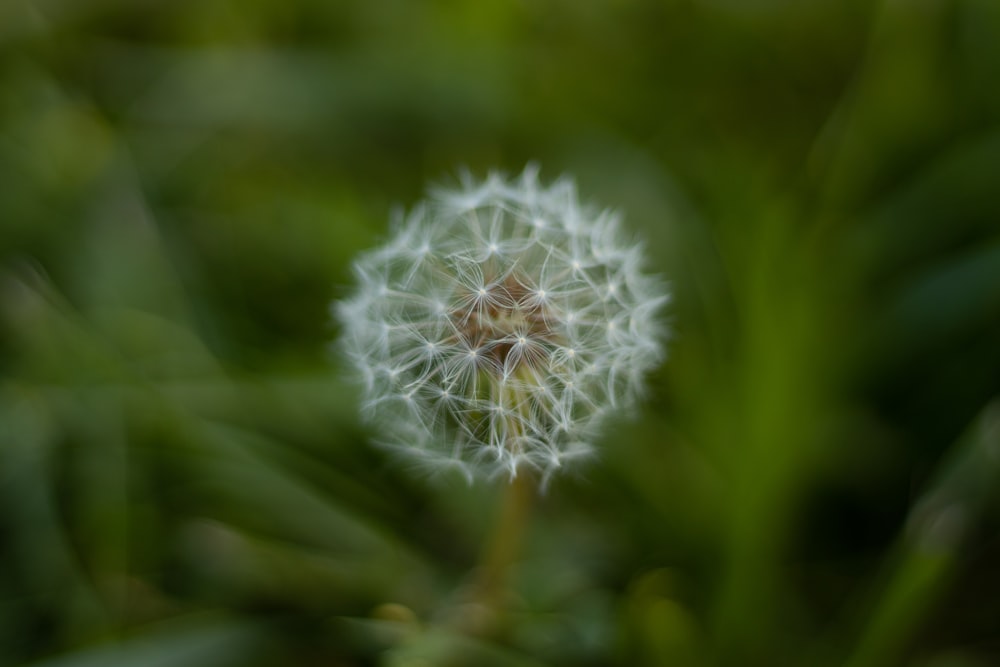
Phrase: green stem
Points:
(505, 542)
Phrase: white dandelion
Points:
(501, 326)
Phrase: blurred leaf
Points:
(657, 628)
(242, 487)
(950, 204)
(937, 531)
(37, 550)
(214, 640)
(873, 134)
(958, 298)
(442, 648)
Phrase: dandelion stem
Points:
(504, 544)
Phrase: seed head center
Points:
(503, 319)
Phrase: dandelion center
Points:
(504, 328)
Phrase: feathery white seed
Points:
(500, 327)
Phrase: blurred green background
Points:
(183, 476)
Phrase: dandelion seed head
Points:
(509, 321)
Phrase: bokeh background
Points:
(184, 479)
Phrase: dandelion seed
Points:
(509, 321)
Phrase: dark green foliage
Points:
(184, 479)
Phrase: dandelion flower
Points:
(501, 326)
